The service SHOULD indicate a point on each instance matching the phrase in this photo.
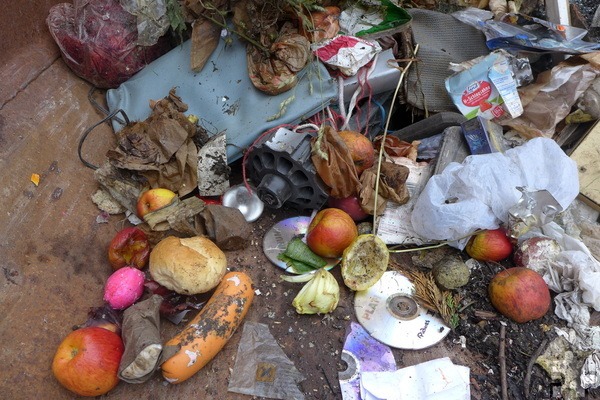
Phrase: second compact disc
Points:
(388, 311)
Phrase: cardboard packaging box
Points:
(587, 156)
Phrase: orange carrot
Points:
(206, 334)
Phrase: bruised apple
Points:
(351, 205)
(489, 245)
(361, 149)
(87, 361)
(154, 199)
(330, 232)
(129, 246)
(520, 294)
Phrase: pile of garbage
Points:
(311, 101)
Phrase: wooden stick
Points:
(534, 357)
(502, 359)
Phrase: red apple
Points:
(520, 294)
(211, 199)
(351, 205)
(154, 199)
(330, 232)
(490, 245)
(87, 361)
(129, 246)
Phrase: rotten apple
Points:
(330, 232)
(130, 246)
(154, 199)
(87, 361)
(520, 294)
(536, 253)
(489, 245)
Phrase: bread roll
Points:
(187, 265)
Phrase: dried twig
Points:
(385, 130)
(534, 357)
(502, 360)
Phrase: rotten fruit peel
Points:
(489, 245)
(520, 294)
(87, 360)
(130, 246)
(320, 295)
(364, 262)
(207, 333)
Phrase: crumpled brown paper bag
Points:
(160, 148)
(392, 186)
(143, 345)
(226, 226)
(333, 162)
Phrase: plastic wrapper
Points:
(347, 53)
(361, 20)
(261, 368)
(518, 32)
(486, 88)
(550, 99)
(589, 102)
(152, 20)
(534, 209)
(98, 41)
(322, 25)
(392, 186)
(478, 193)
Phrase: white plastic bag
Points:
(478, 193)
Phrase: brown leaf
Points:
(275, 73)
(205, 38)
(333, 162)
(161, 148)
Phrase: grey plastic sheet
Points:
(222, 95)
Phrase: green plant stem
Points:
(240, 34)
(434, 246)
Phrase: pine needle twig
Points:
(430, 296)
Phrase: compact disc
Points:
(389, 313)
(276, 239)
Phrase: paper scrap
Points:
(438, 379)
